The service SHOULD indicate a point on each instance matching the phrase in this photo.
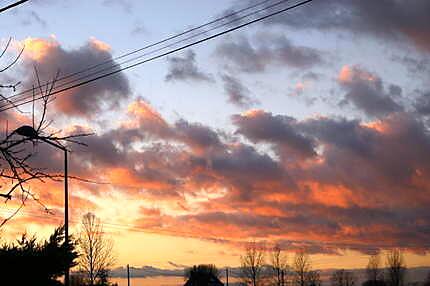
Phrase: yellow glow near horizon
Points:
(139, 248)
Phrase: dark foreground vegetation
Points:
(261, 266)
(30, 262)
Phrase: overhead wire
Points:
(108, 225)
(12, 5)
(238, 19)
(2, 108)
(113, 60)
(301, 3)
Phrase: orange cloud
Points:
(253, 113)
(141, 110)
(99, 45)
(207, 189)
(84, 101)
(37, 48)
(125, 177)
(375, 125)
(350, 73)
(147, 120)
(330, 195)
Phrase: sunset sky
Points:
(309, 130)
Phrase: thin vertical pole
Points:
(226, 275)
(282, 278)
(128, 275)
(66, 213)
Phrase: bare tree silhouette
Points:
(342, 277)
(301, 266)
(96, 256)
(18, 147)
(252, 263)
(279, 266)
(10, 86)
(313, 278)
(396, 267)
(374, 272)
(373, 269)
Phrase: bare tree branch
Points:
(96, 250)
(14, 61)
(252, 263)
(279, 266)
(19, 147)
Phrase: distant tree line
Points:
(394, 273)
(256, 271)
(31, 262)
(276, 271)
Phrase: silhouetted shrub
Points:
(202, 275)
(427, 282)
(30, 263)
(374, 283)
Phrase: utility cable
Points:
(113, 60)
(4, 108)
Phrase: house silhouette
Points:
(203, 280)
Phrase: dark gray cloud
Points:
(353, 185)
(366, 92)
(280, 130)
(366, 221)
(185, 68)
(87, 100)
(359, 157)
(381, 160)
(199, 137)
(414, 65)
(295, 56)
(247, 173)
(389, 19)
(387, 164)
(267, 50)
(237, 93)
(422, 105)
(342, 133)
(256, 224)
(378, 173)
(240, 52)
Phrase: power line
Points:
(141, 56)
(4, 108)
(13, 5)
(113, 60)
(146, 54)
(110, 225)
